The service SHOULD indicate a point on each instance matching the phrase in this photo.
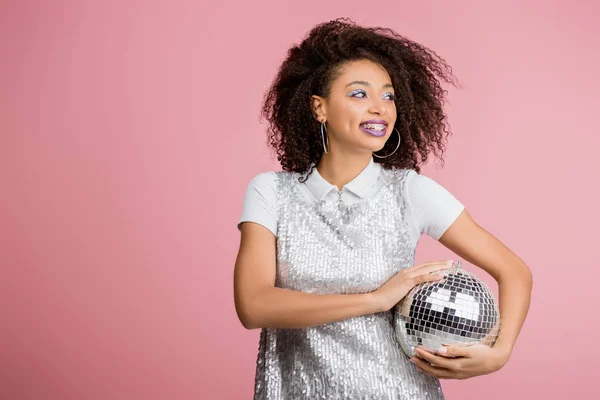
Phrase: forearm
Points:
(287, 309)
(514, 299)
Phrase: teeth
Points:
(377, 127)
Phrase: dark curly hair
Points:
(310, 69)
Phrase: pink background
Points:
(129, 130)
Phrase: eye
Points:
(391, 96)
(357, 92)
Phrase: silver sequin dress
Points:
(331, 248)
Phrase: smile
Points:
(375, 129)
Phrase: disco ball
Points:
(459, 310)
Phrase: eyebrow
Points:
(368, 84)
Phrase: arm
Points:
(473, 243)
(259, 304)
(470, 241)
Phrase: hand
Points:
(396, 288)
(460, 362)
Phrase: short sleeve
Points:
(432, 207)
(260, 205)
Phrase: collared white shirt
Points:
(367, 182)
(431, 208)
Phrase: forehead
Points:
(362, 70)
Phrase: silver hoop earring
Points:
(323, 134)
(398, 145)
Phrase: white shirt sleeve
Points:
(432, 208)
(260, 201)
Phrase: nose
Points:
(377, 106)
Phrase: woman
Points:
(327, 245)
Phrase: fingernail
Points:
(413, 361)
(442, 350)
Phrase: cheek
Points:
(346, 115)
(354, 114)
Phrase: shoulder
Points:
(423, 188)
(417, 182)
(414, 184)
(260, 201)
(433, 207)
(264, 180)
(268, 180)
(397, 174)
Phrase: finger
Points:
(427, 350)
(415, 280)
(433, 359)
(425, 265)
(432, 264)
(427, 269)
(454, 351)
(440, 373)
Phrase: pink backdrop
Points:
(129, 130)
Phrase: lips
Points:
(375, 127)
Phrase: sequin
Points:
(328, 247)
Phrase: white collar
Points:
(360, 185)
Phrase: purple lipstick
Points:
(375, 127)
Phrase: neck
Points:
(339, 169)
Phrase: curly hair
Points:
(312, 66)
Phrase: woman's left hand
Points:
(460, 362)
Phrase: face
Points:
(360, 112)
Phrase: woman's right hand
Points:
(394, 290)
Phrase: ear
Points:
(318, 108)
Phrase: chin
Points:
(370, 143)
(376, 143)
